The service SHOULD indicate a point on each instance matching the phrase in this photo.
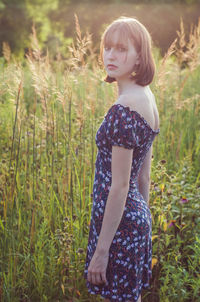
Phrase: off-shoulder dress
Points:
(130, 253)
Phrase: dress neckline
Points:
(138, 114)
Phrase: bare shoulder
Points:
(142, 101)
(135, 101)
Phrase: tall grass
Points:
(50, 112)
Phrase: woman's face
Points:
(120, 57)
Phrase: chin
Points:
(111, 72)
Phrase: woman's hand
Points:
(97, 268)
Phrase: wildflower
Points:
(74, 217)
(154, 261)
(156, 188)
(66, 219)
(169, 192)
(80, 250)
(162, 187)
(171, 223)
(68, 241)
(183, 200)
(163, 161)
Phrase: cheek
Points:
(125, 57)
(130, 60)
(122, 57)
(103, 58)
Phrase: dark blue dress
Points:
(130, 253)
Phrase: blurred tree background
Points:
(54, 21)
(51, 105)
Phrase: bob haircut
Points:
(130, 28)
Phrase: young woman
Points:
(119, 252)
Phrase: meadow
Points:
(50, 110)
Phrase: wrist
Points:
(102, 250)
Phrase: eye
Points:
(106, 48)
(121, 49)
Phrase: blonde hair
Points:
(131, 28)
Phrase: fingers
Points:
(89, 277)
(103, 276)
(93, 277)
(97, 278)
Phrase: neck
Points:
(126, 85)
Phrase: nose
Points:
(111, 54)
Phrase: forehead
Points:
(117, 37)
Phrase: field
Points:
(50, 111)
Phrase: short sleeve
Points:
(121, 128)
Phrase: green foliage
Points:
(54, 21)
(15, 24)
(50, 111)
(38, 11)
(176, 233)
(18, 16)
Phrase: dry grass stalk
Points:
(81, 47)
(11, 85)
(6, 51)
(39, 65)
(188, 53)
(188, 59)
(185, 104)
(35, 44)
(12, 76)
(66, 93)
(42, 77)
(163, 72)
(41, 74)
(180, 51)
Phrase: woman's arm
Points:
(121, 169)
(144, 176)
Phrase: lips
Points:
(111, 66)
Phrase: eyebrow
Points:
(117, 45)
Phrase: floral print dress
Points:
(130, 253)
